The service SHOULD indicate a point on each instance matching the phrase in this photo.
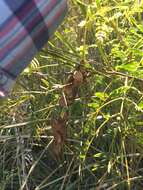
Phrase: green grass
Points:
(104, 146)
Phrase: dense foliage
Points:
(103, 147)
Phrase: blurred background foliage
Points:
(104, 144)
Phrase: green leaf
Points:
(140, 105)
(93, 105)
(131, 67)
(101, 95)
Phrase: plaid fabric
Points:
(25, 26)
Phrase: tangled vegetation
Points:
(74, 120)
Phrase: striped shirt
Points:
(25, 26)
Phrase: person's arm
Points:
(25, 26)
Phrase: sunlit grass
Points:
(104, 148)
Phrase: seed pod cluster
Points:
(69, 94)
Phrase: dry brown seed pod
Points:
(63, 101)
(68, 90)
(78, 77)
(60, 133)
